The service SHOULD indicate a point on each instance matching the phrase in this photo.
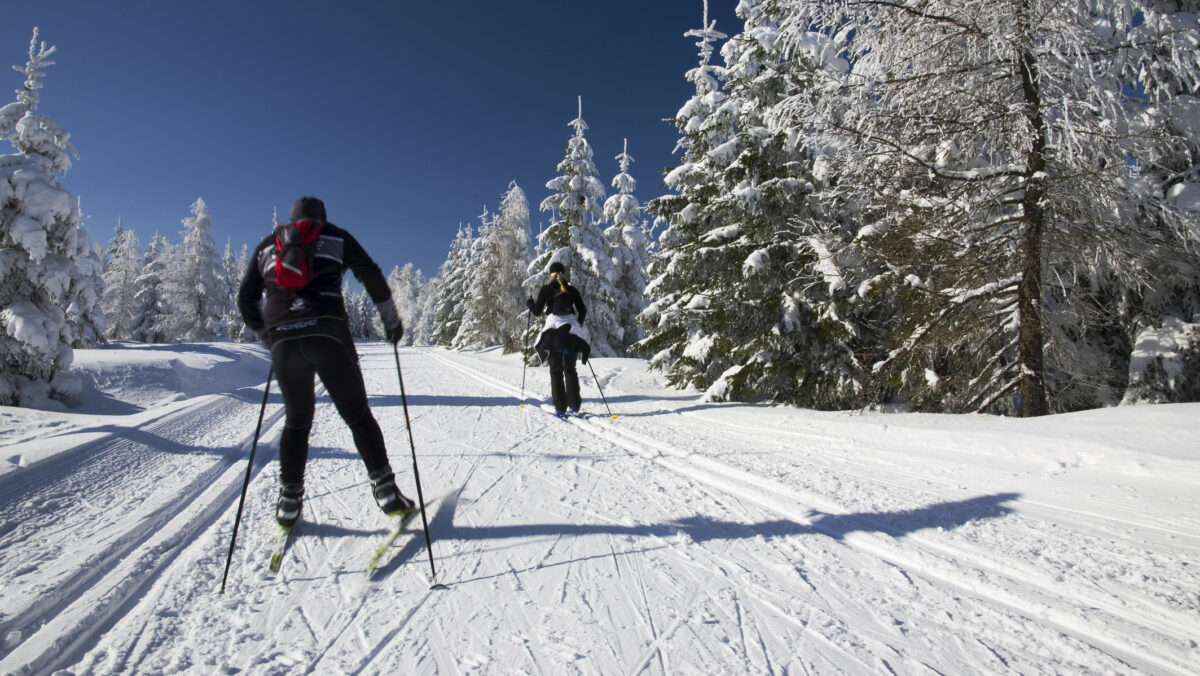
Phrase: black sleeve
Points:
(365, 270)
(545, 294)
(580, 308)
(250, 293)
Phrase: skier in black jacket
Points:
(562, 337)
(309, 334)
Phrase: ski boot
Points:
(388, 496)
(287, 510)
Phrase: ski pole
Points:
(610, 413)
(237, 522)
(416, 472)
(524, 359)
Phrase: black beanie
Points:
(557, 267)
(309, 208)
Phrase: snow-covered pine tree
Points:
(576, 240)
(121, 271)
(494, 306)
(233, 266)
(148, 303)
(990, 144)
(192, 285)
(772, 329)
(678, 291)
(629, 249)
(422, 329)
(452, 289)
(354, 317)
(405, 283)
(1162, 323)
(50, 274)
(473, 330)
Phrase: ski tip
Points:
(439, 587)
(613, 416)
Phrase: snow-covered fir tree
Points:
(233, 266)
(122, 267)
(452, 288)
(362, 314)
(494, 306)
(406, 283)
(629, 249)
(1162, 322)
(148, 304)
(195, 309)
(422, 328)
(50, 274)
(988, 147)
(576, 240)
(765, 326)
(678, 292)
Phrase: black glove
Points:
(529, 304)
(395, 333)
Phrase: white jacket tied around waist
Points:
(554, 321)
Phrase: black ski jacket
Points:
(337, 251)
(551, 297)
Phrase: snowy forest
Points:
(934, 206)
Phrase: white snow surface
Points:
(680, 537)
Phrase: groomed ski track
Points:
(593, 546)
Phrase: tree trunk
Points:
(1031, 332)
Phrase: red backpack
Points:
(296, 245)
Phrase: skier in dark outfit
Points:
(562, 338)
(309, 334)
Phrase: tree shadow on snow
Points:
(946, 515)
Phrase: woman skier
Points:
(562, 337)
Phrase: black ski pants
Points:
(296, 360)
(564, 381)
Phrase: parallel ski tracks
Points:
(130, 555)
(1103, 621)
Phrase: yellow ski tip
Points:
(613, 416)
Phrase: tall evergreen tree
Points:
(406, 283)
(576, 240)
(452, 289)
(1161, 323)
(678, 292)
(422, 329)
(148, 303)
(629, 249)
(50, 274)
(989, 146)
(493, 314)
(233, 266)
(768, 332)
(194, 305)
(121, 271)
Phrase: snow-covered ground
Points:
(680, 537)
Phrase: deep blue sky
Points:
(407, 118)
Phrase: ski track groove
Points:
(80, 586)
(897, 468)
(1005, 594)
(722, 585)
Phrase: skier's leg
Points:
(337, 365)
(557, 388)
(295, 377)
(572, 381)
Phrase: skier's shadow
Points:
(700, 528)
